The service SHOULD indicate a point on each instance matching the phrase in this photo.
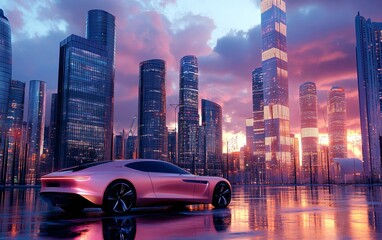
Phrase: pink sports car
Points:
(117, 186)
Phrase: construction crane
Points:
(131, 132)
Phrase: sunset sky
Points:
(223, 34)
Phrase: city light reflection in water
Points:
(341, 212)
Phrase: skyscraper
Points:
(5, 82)
(212, 154)
(258, 124)
(86, 93)
(152, 109)
(100, 28)
(275, 85)
(119, 145)
(36, 125)
(337, 123)
(249, 134)
(5, 72)
(369, 62)
(171, 147)
(188, 112)
(82, 103)
(309, 129)
(15, 122)
(53, 132)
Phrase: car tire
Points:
(222, 195)
(119, 197)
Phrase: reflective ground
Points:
(338, 212)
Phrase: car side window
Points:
(158, 167)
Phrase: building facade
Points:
(152, 110)
(337, 123)
(188, 119)
(212, 150)
(5, 82)
(369, 72)
(86, 93)
(171, 135)
(275, 84)
(82, 103)
(258, 125)
(309, 130)
(53, 131)
(131, 147)
(36, 127)
(5, 71)
(100, 28)
(15, 122)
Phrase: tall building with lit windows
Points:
(15, 122)
(188, 119)
(309, 129)
(275, 84)
(86, 93)
(152, 110)
(369, 71)
(5, 83)
(36, 127)
(258, 124)
(337, 123)
(211, 151)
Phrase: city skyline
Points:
(226, 60)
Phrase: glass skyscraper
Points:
(5, 82)
(5, 72)
(100, 28)
(275, 84)
(15, 122)
(309, 129)
(188, 112)
(369, 69)
(212, 143)
(82, 103)
(258, 124)
(53, 131)
(36, 126)
(86, 93)
(337, 123)
(152, 110)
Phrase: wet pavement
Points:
(304, 212)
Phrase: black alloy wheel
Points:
(222, 195)
(119, 198)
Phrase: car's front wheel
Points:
(222, 195)
(119, 197)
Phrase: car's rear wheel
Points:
(222, 195)
(119, 197)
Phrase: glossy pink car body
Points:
(116, 186)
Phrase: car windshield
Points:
(83, 166)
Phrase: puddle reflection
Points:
(262, 212)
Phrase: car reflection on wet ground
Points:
(256, 212)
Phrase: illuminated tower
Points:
(85, 93)
(36, 127)
(152, 109)
(369, 69)
(337, 123)
(258, 124)
(309, 128)
(188, 112)
(5, 83)
(276, 106)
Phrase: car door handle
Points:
(195, 181)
